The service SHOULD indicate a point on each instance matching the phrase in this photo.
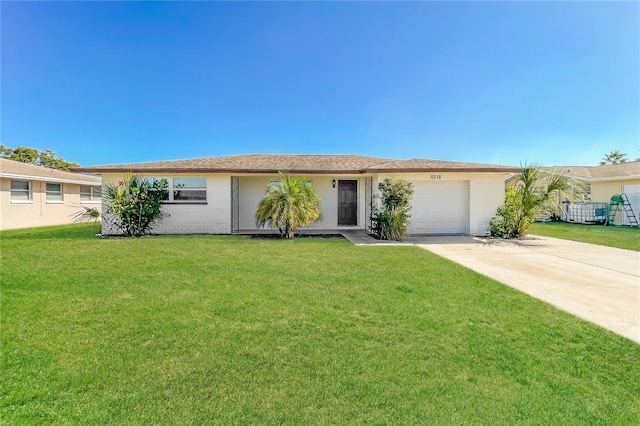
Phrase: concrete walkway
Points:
(599, 284)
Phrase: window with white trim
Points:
(181, 190)
(189, 189)
(20, 190)
(90, 193)
(54, 191)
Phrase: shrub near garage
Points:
(390, 221)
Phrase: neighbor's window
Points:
(90, 193)
(54, 192)
(189, 189)
(20, 190)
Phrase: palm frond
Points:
(288, 206)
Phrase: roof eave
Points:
(49, 179)
(181, 170)
(444, 170)
(613, 178)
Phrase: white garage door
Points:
(633, 193)
(439, 208)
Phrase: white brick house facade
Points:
(450, 198)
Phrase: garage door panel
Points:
(439, 208)
(633, 194)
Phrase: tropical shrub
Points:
(389, 220)
(288, 205)
(134, 204)
(503, 224)
(536, 191)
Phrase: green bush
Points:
(504, 224)
(389, 221)
(133, 205)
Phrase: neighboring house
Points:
(31, 195)
(219, 195)
(609, 180)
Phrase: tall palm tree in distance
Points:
(615, 157)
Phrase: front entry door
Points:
(347, 202)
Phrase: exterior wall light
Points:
(333, 183)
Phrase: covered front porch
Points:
(346, 202)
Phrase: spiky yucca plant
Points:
(133, 205)
(289, 205)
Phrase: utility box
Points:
(587, 213)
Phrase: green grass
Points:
(229, 330)
(613, 236)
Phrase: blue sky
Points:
(488, 82)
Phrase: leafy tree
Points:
(133, 205)
(23, 154)
(390, 221)
(614, 157)
(45, 158)
(48, 158)
(289, 205)
(536, 190)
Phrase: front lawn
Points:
(613, 236)
(231, 330)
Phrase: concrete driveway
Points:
(599, 284)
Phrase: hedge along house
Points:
(219, 195)
(32, 195)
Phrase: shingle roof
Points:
(309, 164)
(17, 169)
(627, 170)
(425, 165)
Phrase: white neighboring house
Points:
(219, 195)
(32, 195)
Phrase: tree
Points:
(390, 221)
(615, 157)
(45, 158)
(48, 158)
(536, 190)
(133, 205)
(22, 154)
(289, 205)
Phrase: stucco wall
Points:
(486, 194)
(38, 211)
(213, 217)
(601, 192)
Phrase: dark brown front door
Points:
(347, 202)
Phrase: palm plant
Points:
(615, 157)
(536, 190)
(288, 205)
